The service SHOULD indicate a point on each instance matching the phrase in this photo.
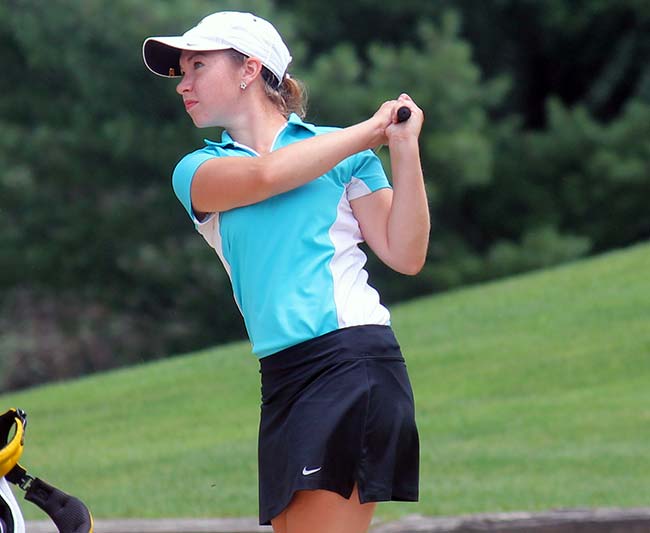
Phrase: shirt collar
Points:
(295, 120)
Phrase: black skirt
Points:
(337, 411)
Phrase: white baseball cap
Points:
(245, 32)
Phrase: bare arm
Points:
(395, 223)
(221, 184)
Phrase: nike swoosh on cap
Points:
(307, 472)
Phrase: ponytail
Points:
(289, 97)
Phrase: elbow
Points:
(262, 177)
(409, 261)
(413, 262)
(268, 178)
(410, 266)
(413, 268)
(263, 182)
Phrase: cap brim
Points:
(162, 54)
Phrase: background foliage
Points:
(536, 151)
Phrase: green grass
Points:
(532, 393)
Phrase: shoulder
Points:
(210, 149)
(188, 164)
(186, 168)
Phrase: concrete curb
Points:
(608, 520)
(163, 525)
(559, 521)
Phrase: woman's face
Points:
(210, 86)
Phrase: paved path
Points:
(560, 521)
(200, 525)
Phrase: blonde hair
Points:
(290, 96)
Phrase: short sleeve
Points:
(367, 175)
(182, 179)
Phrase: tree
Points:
(589, 52)
(96, 237)
(534, 149)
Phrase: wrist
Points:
(403, 143)
(373, 132)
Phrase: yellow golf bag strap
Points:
(69, 514)
(12, 445)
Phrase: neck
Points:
(258, 125)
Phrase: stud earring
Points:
(242, 85)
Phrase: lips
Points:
(189, 104)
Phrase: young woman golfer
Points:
(285, 204)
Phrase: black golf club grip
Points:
(403, 114)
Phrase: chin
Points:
(199, 123)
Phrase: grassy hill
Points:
(532, 393)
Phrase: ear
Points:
(251, 69)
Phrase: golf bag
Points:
(69, 514)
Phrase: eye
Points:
(197, 64)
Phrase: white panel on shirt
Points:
(209, 228)
(357, 303)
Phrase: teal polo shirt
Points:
(294, 261)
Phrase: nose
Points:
(184, 85)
